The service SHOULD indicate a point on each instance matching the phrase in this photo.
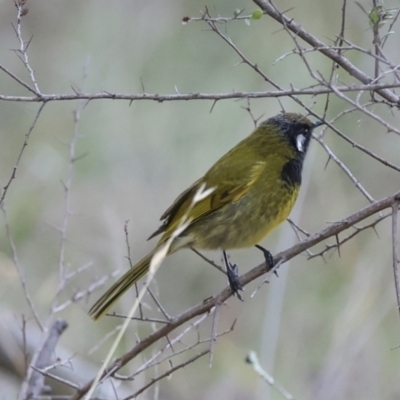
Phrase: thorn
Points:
(338, 244)
(327, 162)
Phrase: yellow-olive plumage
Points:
(255, 187)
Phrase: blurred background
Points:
(325, 329)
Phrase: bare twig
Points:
(36, 381)
(24, 144)
(357, 230)
(15, 77)
(252, 359)
(143, 319)
(221, 297)
(156, 261)
(151, 360)
(159, 305)
(158, 361)
(346, 170)
(56, 378)
(20, 271)
(23, 46)
(269, 8)
(166, 374)
(159, 98)
(209, 261)
(214, 333)
(62, 276)
(395, 251)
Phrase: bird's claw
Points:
(232, 270)
(269, 258)
(233, 278)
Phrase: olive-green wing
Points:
(223, 193)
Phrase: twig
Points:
(62, 280)
(252, 359)
(209, 261)
(56, 378)
(160, 98)
(214, 334)
(21, 11)
(143, 319)
(269, 8)
(362, 148)
(27, 136)
(148, 365)
(345, 169)
(19, 269)
(20, 81)
(159, 305)
(376, 40)
(349, 237)
(155, 263)
(24, 343)
(36, 382)
(151, 361)
(168, 373)
(395, 246)
(296, 230)
(218, 19)
(389, 127)
(219, 298)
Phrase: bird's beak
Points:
(316, 124)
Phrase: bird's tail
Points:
(120, 287)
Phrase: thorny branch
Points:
(23, 45)
(328, 87)
(160, 98)
(221, 297)
(269, 8)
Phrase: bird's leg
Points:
(233, 276)
(269, 259)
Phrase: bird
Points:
(252, 189)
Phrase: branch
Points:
(168, 373)
(208, 304)
(36, 381)
(23, 46)
(20, 81)
(269, 8)
(14, 171)
(395, 246)
(198, 96)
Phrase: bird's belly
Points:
(243, 223)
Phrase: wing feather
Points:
(227, 192)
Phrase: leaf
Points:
(387, 34)
(237, 12)
(257, 14)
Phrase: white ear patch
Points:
(300, 139)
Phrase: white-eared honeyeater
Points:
(255, 187)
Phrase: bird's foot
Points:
(269, 259)
(232, 271)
